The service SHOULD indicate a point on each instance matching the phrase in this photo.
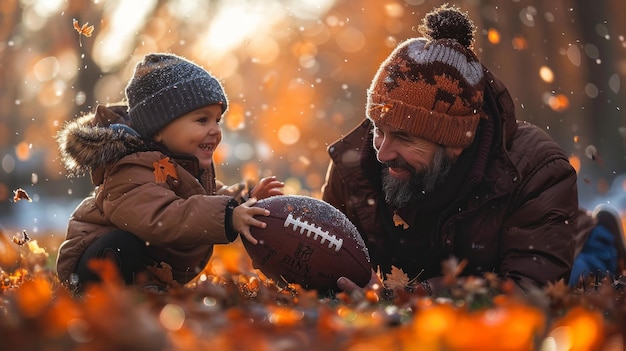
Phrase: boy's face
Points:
(196, 133)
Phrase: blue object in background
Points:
(598, 256)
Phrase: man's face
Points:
(414, 166)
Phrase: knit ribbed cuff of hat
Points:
(438, 127)
(157, 110)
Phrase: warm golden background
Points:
(296, 73)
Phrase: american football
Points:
(308, 242)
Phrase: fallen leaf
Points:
(558, 290)
(163, 272)
(452, 268)
(107, 271)
(20, 194)
(396, 280)
(85, 30)
(23, 240)
(398, 221)
(164, 168)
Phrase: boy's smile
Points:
(196, 133)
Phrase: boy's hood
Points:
(95, 139)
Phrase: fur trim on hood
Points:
(96, 139)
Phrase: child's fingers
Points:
(275, 191)
(253, 211)
(269, 183)
(246, 234)
(251, 201)
(267, 179)
(277, 187)
(256, 223)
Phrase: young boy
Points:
(156, 198)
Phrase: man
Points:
(441, 168)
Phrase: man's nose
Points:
(385, 151)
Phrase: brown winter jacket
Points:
(177, 220)
(520, 219)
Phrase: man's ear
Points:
(157, 137)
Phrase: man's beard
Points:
(401, 192)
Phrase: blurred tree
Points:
(604, 99)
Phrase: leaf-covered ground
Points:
(233, 307)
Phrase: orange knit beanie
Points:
(432, 87)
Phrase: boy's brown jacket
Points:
(160, 198)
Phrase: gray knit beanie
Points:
(165, 87)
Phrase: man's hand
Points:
(350, 287)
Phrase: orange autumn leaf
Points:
(508, 325)
(164, 168)
(581, 328)
(397, 279)
(284, 316)
(8, 254)
(451, 269)
(106, 270)
(63, 315)
(34, 248)
(431, 321)
(163, 272)
(248, 286)
(230, 259)
(558, 290)
(85, 30)
(20, 194)
(33, 296)
(23, 239)
(398, 221)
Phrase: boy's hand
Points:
(267, 187)
(243, 218)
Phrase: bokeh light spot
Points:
(289, 134)
(520, 43)
(558, 102)
(591, 90)
(22, 151)
(573, 54)
(546, 74)
(46, 68)
(350, 39)
(493, 36)
(8, 163)
(263, 50)
(244, 151)
(172, 317)
(235, 117)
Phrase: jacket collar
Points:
(88, 143)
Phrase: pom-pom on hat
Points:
(432, 87)
(165, 87)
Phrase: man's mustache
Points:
(397, 163)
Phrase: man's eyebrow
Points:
(393, 131)
(400, 133)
